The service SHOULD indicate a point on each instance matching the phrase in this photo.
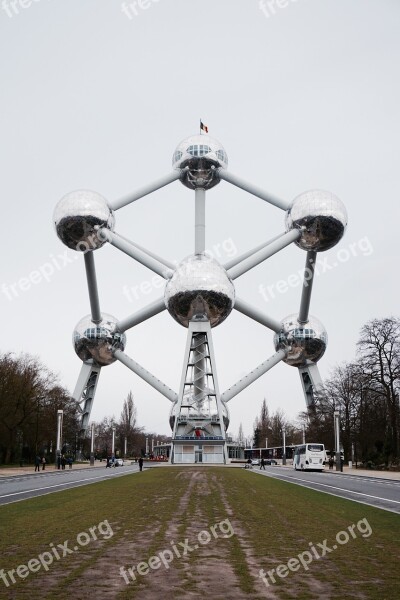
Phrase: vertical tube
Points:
(199, 370)
(92, 287)
(200, 221)
(307, 286)
(304, 434)
(147, 446)
(125, 447)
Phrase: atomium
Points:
(303, 342)
(79, 216)
(199, 289)
(198, 158)
(321, 217)
(199, 294)
(97, 341)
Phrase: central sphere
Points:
(97, 341)
(200, 289)
(198, 158)
(304, 342)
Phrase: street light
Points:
(284, 446)
(92, 446)
(113, 443)
(60, 414)
(336, 416)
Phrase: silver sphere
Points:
(321, 217)
(97, 341)
(306, 342)
(198, 158)
(78, 217)
(191, 414)
(199, 289)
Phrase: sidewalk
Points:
(50, 468)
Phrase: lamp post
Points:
(113, 443)
(336, 416)
(60, 414)
(284, 446)
(92, 445)
(304, 433)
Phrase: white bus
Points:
(310, 457)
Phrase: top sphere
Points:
(78, 217)
(200, 289)
(199, 157)
(321, 217)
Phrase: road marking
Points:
(65, 483)
(294, 480)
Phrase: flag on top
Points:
(203, 127)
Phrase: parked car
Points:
(255, 461)
(119, 462)
(270, 461)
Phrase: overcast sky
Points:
(97, 94)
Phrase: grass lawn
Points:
(248, 523)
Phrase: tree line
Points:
(364, 391)
(31, 395)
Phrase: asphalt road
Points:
(13, 489)
(374, 491)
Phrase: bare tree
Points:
(379, 352)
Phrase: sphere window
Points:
(198, 150)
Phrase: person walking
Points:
(37, 463)
(63, 462)
(43, 463)
(262, 464)
(140, 464)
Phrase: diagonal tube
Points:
(146, 375)
(253, 189)
(145, 190)
(255, 314)
(238, 259)
(149, 311)
(243, 383)
(259, 257)
(140, 255)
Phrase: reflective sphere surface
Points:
(190, 414)
(202, 155)
(77, 218)
(199, 289)
(321, 216)
(98, 340)
(306, 342)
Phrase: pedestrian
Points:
(331, 462)
(140, 464)
(70, 462)
(58, 462)
(43, 463)
(262, 464)
(37, 463)
(63, 462)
